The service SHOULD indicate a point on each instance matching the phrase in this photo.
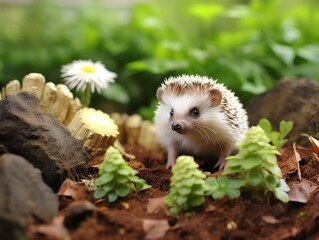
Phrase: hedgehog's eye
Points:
(171, 112)
(194, 112)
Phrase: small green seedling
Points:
(224, 186)
(116, 177)
(187, 186)
(276, 138)
(256, 164)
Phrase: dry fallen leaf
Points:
(270, 219)
(300, 192)
(314, 144)
(210, 208)
(155, 228)
(156, 204)
(71, 189)
(298, 159)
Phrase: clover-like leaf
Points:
(103, 179)
(112, 197)
(123, 190)
(265, 124)
(281, 195)
(99, 193)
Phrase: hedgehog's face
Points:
(185, 113)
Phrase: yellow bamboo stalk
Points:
(62, 102)
(49, 95)
(75, 105)
(34, 82)
(12, 88)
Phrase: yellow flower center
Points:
(88, 69)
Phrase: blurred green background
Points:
(248, 45)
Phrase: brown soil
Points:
(247, 217)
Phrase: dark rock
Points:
(24, 197)
(27, 130)
(295, 100)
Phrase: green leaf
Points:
(144, 187)
(285, 128)
(211, 181)
(123, 171)
(233, 193)
(218, 194)
(99, 193)
(232, 162)
(231, 170)
(275, 170)
(281, 195)
(254, 177)
(132, 178)
(309, 52)
(181, 200)
(250, 162)
(265, 124)
(122, 190)
(236, 183)
(174, 211)
(169, 200)
(271, 181)
(112, 197)
(109, 186)
(195, 201)
(184, 191)
(285, 53)
(103, 179)
(110, 167)
(222, 181)
(121, 179)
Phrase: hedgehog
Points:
(198, 116)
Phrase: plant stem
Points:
(86, 96)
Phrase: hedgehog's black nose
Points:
(176, 126)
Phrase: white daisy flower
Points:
(84, 73)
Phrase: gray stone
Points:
(27, 130)
(295, 100)
(24, 197)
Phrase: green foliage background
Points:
(248, 45)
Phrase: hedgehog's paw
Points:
(220, 164)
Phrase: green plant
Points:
(116, 177)
(276, 138)
(224, 186)
(187, 186)
(256, 164)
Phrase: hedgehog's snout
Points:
(178, 127)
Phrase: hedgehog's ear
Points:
(215, 96)
(159, 94)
